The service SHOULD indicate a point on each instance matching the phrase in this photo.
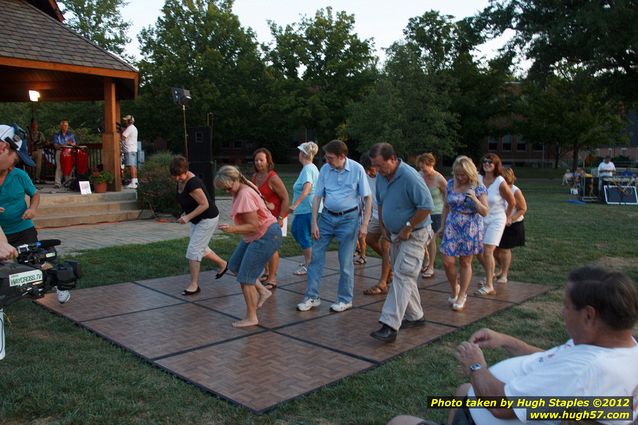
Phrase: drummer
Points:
(62, 138)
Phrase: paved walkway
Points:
(94, 236)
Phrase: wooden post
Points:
(110, 137)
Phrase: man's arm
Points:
(487, 338)
(418, 217)
(367, 210)
(6, 251)
(315, 212)
(34, 203)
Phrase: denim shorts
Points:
(301, 226)
(249, 259)
(130, 159)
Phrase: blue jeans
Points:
(344, 228)
(249, 259)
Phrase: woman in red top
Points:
(276, 197)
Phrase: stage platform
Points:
(290, 353)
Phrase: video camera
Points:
(35, 272)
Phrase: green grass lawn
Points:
(56, 372)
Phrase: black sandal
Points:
(222, 273)
(269, 285)
(187, 292)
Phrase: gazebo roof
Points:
(38, 52)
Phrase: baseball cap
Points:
(8, 134)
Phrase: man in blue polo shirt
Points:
(61, 139)
(404, 203)
(342, 184)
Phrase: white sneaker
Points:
(131, 186)
(63, 296)
(301, 271)
(308, 303)
(339, 307)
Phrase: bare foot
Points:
(263, 296)
(245, 323)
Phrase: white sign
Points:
(24, 278)
(85, 188)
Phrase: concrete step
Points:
(66, 198)
(85, 208)
(85, 218)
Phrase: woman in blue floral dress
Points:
(463, 211)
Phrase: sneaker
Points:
(63, 296)
(339, 307)
(131, 186)
(308, 303)
(57, 186)
(301, 271)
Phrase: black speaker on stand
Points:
(206, 173)
(200, 156)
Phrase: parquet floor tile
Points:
(104, 301)
(165, 331)
(263, 370)
(290, 353)
(349, 332)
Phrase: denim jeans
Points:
(249, 259)
(344, 228)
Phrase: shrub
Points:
(156, 188)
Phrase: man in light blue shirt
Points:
(404, 203)
(342, 184)
(62, 138)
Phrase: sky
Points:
(381, 20)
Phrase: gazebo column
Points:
(110, 137)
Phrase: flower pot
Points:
(99, 187)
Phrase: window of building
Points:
(507, 143)
(623, 151)
(610, 152)
(492, 144)
(521, 144)
(538, 147)
(597, 151)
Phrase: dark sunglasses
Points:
(487, 161)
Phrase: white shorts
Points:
(494, 227)
(373, 226)
(201, 234)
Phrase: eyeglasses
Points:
(487, 161)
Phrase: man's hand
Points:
(468, 353)
(363, 231)
(28, 214)
(487, 338)
(7, 251)
(315, 232)
(405, 233)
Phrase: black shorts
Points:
(513, 236)
(27, 236)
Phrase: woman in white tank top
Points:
(501, 203)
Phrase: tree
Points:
(569, 113)
(99, 21)
(322, 67)
(601, 37)
(200, 45)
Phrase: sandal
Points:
(361, 260)
(427, 273)
(263, 278)
(270, 285)
(501, 279)
(376, 290)
(484, 290)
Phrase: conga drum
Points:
(82, 161)
(66, 160)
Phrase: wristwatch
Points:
(475, 367)
(408, 224)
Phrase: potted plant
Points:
(99, 179)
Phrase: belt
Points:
(342, 212)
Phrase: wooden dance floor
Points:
(290, 353)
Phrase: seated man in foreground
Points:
(601, 360)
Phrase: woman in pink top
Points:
(261, 237)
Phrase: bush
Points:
(156, 188)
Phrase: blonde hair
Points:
(309, 150)
(229, 174)
(508, 175)
(465, 165)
